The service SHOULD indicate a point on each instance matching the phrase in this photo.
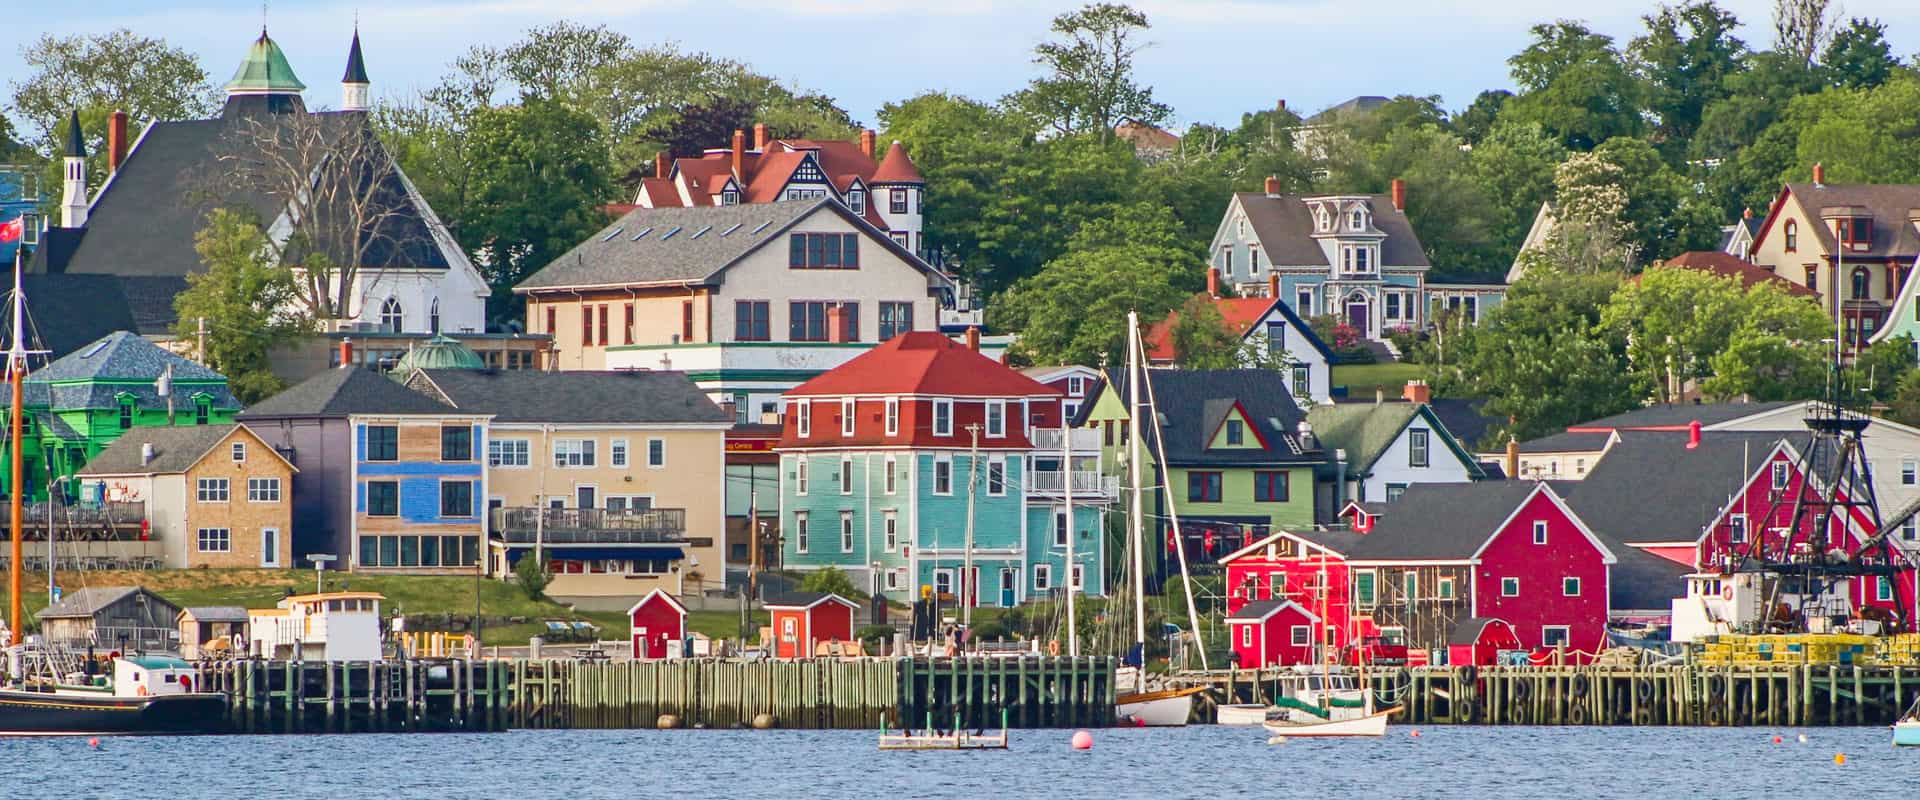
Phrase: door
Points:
(1357, 315)
(972, 588)
(269, 547)
(1009, 578)
(642, 646)
(585, 497)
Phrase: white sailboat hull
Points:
(1374, 724)
(1156, 709)
(1241, 714)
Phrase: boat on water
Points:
(1165, 708)
(1906, 732)
(1244, 714)
(1371, 724)
(137, 695)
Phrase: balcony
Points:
(590, 526)
(1084, 440)
(1086, 483)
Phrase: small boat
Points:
(932, 738)
(1374, 724)
(1241, 714)
(142, 695)
(1162, 709)
(1906, 732)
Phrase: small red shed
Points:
(803, 619)
(657, 619)
(1479, 640)
(1269, 633)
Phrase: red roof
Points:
(770, 176)
(897, 167)
(923, 363)
(1239, 313)
(659, 193)
(1730, 266)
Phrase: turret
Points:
(354, 85)
(73, 204)
(265, 74)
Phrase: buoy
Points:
(1139, 722)
(762, 721)
(1082, 740)
(667, 722)
(1415, 734)
(1777, 740)
(94, 742)
(1803, 738)
(1839, 758)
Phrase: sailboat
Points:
(1326, 704)
(50, 691)
(1137, 702)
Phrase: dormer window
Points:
(730, 197)
(1857, 233)
(1321, 221)
(1357, 220)
(857, 201)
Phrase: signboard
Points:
(751, 445)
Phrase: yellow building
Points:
(214, 495)
(616, 477)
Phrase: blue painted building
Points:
(390, 480)
(879, 456)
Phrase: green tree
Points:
(249, 303)
(1477, 121)
(1684, 59)
(830, 580)
(1859, 56)
(1775, 352)
(532, 576)
(1905, 406)
(1074, 310)
(1089, 85)
(1877, 371)
(96, 75)
(1514, 165)
(1861, 135)
(1201, 338)
(1575, 85)
(1664, 215)
(1674, 321)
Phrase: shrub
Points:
(531, 576)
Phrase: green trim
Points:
(753, 374)
(804, 345)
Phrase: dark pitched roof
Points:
(76, 145)
(347, 390)
(1465, 419)
(216, 613)
(1651, 488)
(1679, 415)
(121, 363)
(175, 448)
(624, 397)
(1642, 581)
(1467, 630)
(1354, 105)
(356, 65)
(1183, 398)
(87, 602)
(1588, 441)
(1339, 540)
(1889, 204)
(1285, 228)
(1441, 521)
(1722, 264)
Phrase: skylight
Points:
(734, 227)
(702, 232)
(95, 349)
(763, 226)
(642, 234)
(611, 234)
(670, 232)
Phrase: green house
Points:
(1227, 456)
(82, 402)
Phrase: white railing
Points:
(1047, 440)
(1087, 483)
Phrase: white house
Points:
(1390, 445)
(1266, 326)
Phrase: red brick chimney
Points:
(116, 141)
(1273, 284)
(1213, 282)
(1746, 213)
(346, 352)
(973, 338)
(1399, 195)
(836, 324)
(1282, 106)
(1819, 174)
(867, 138)
(760, 137)
(1418, 392)
(739, 154)
(662, 161)
(1273, 186)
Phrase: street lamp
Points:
(320, 561)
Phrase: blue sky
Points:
(1210, 59)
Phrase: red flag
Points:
(11, 230)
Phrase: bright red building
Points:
(1273, 633)
(1306, 568)
(657, 619)
(805, 619)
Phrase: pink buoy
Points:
(94, 742)
(1139, 722)
(1777, 740)
(1415, 734)
(1082, 740)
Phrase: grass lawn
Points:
(1361, 378)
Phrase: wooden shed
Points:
(657, 620)
(1271, 633)
(804, 620)
(207, 631)
(1479, 640)
(118, 618)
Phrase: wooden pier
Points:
(436, 695)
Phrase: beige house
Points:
(616, 477)
(215, 495)
(1853, 244)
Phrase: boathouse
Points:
(1269, 633)
(1479, 640)
(804, 620)
(206, 631)
(120, 618)
(657, 620)
(331, 626)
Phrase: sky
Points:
(1212, 60)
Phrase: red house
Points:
(1479, 640)
(1307, 568)
(805, 619)
(656, 620)
(1269, 633)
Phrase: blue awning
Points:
(633, 552)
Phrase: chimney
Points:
(1213, 282)
(346, 352)
(1273, 186)
(760, 137)
(973, 338)
(1693, 435)
(1418, 391)
(1819, 174)
(146, 453)
(1399, 195)
(739, 154)
(1746, 213)
(116, 141)
(836, 324)
(1513, 458)
(1282, 106)
(661, 162)
(867, 138)
(1273, 284)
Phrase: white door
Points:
(269, 547)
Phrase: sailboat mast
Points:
(1066, 486)
(16, 372)
(1133, 470)
(1173, 518)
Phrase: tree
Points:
(247, 302)
(1905, 406)
(1877, 371)
(1673, 321)
(699, 126)
(1860, 135)
(1201, 338)
(1591, 231)
(1859, 56)
(1684, 59)
(1514, 165)
(1575, 85)
(531, 575)
(1477, 121)
(1089, 85)
(1776, 352)
(1664, 214)
(830, 580)
(1802, 28)
(1074, 310)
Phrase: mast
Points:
(16, 372)
(1137, 518)
(1179, 538)
(1066, 483)
(971, 593)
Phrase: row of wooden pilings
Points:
(362, 696)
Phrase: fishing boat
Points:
(1371, 724)
(1323, 702)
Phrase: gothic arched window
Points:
(391, 316)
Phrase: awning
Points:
(601, 553)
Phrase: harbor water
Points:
(1199, 762)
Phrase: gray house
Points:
(121, 618)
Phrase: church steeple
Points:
(265, 71)
(73, 201)
(354, 85)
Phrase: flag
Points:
(11, 230)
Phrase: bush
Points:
(870, 636)
(1408, 341)
(830, 580)
(531, 576)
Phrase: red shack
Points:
(1479, 640)
(802, 620)
(1269, 633)
(657, 619)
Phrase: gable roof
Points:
(87, 602)
(1366, 430)
(1678, 416)
(121, 363)
(1442, 521)
(214, 613)
(1650, 488)
(1467, 630)
(1464, 419)
(627, 397)
(1284, 226)
(1889, 204)
(661, 594)
(1336, 540)
(1240, 315)
(1182, 397)
(805, 600)
(1570, 442)
(348, 390)
(1727, 265)
(923, 363)
(1260, 610)
(175, 449)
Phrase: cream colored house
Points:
(1853, 244)
(616, 477)
(215, 495)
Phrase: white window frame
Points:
(223, 537)
(239, 452)
(893, 416)
(1246, 635)
(1882, 589)
(1301, 636)
(509, 453)
(263, 490)
(651, 463)
(1737, 528)
(938, 462)
(846, 474)
(996, 414)
(1443, 588)
(1419, 448)
(270, 550)
(1510, 581)
(846, 531)
(800, 475)
(847, 409)
(617, 452)
(943, 413)
(997, 463)
(1566, 635)
(575, 453)
(893, 580)
(1042, 577)
(1570, 586)
(1078, 574)
(1910, 529)
(803, 418)
(1540, 531)
(800, 532)
(1062, 527)
(212, 490)
(1076, 386)
(891, 480)
(890, 526)
(1909, 472)
(1782, 475)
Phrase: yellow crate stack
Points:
(1800, 648)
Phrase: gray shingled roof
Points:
(1651, 488)
(67, 312)
(347, 390)
(623, 397)
(1890, 204)
(1193, 402)
(1467, 630)
(1683, 414)
(1441, 521)
(1567, 443)
(1254, 611)
(87, 602)
(216, 613)
(122, 362)
(174, 450)
(1642, 581)
(1285, 228)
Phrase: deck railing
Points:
(1086, 483)
(520, 525)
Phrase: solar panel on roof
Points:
(642, 234)
(611, 234)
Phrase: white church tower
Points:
(354, 85)
(73, 205)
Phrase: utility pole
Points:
(970, 593)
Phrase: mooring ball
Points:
(1839, 758)
(1777, 740)
(667, 722)
(1803, 738)
(1082, 740)
(762, 721)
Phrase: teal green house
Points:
(82, 402)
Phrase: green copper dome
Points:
(440, 352)
(265, 71)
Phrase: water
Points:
(1203, 761)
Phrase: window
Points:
(553, 322)
(895, 319)
(1302, 636)
(1792, 231)
(807, 321)
(456, 443)
(750, 321)
(215, 540)
(1861, 279)
(239, 452)
(1909, 472)
(1303, 302)
(1246, 636)
(1061, 527)
(1857, 231)
(1078, 576)
(800, 531)
(1553, 636)
(126, 414)
(1270, 487)
(263, 490)
(730, 197)
(202, 411)
(1302, 385)
(1410, 587)
(617, 452)
(823, 251)
(800, 475)
(1812, 277)
(1364, 594)
(897, 201)
(1357, 220)
(803, 418)
(846, 531)
(1236, 432)
(890, 528)
(212, 490)
(1883, 589)
(1394, 490)
(1539, 531)
(1042, 577)
(1910, 529)
(686, 322)
(893, 416)
(857, 201)
(1780, 473)
(627, 330)
(997, 477)
(846, 474)
(1392, 304)
(891, 470)
(656, 453)
(850, 321)
(1226, 261)
(383, 442)
(1076, 386)
(1443, 588)
(1203, 487)
(846, 416)
(1417, 447)
(269, 547)
(507, 452)
(942, 476)
(1737, 528)
(1509, 587)
(943, 417)
(383, 498)
(573, 453)
(1253, 260)
(1579, 466)
(391, 316)
(996, 418)
(456, 499)
(1570, 587)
